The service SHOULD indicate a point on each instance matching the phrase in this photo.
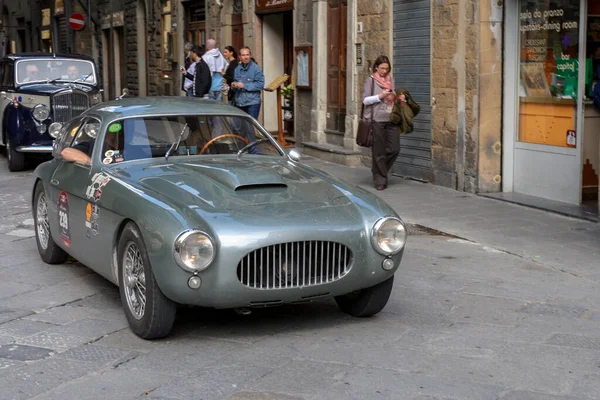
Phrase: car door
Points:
(68, 187)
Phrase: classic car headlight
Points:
(40, 112)
(54, 129)
(388, 236)
(194, 251)
(41, 128)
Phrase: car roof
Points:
(161, 105)
(19, 56)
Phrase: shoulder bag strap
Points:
(362, 109)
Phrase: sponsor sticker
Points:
(63, 218)
(115, 128)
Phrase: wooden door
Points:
(336, 64)
(237, 32)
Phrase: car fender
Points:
(18, 123)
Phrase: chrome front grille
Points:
(67, 105)
(295, 265)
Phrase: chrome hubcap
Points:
(134, 280)
(41, 221)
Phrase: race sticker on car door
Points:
(63, 218)
(94, 189)
(91, 220)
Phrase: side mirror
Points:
(294, 155)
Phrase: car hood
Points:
(263, 186)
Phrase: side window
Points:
(66, 136)
(2, 74)
(9, 75)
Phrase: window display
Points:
(549, 67)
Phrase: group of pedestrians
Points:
(210, 74)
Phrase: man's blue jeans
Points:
(253, 109)
(215, 95)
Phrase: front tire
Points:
(366, 302)
(48, 249)
(149, 312)
(16, 160)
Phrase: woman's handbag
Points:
(364, 135)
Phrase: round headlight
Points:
(41, 112)
(54, 129)
(388, 236)
(194, 251)
(41, 128)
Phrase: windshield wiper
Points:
(54, 80)
(250, 145)
(175, 144)
(84, 79)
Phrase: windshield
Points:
(67, 70)
(182, 136)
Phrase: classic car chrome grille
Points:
(68, 105)
(295, 264)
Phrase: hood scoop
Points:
(260, 187)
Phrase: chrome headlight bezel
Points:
(179, 245)
(43, 109)
(375, 236)
(54, 129)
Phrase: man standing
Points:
(201, 77)
(248, 82)
(216, 64)
(190, 67)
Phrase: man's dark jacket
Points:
(202, 79)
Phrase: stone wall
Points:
(303, 36)
(153, 54)
(467, 87)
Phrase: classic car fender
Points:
(20, 127)
(159, 220)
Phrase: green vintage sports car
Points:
(189, 201)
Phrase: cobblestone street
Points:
(501, 302)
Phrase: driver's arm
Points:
(78, 153)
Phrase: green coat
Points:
(404, 114)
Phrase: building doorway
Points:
(337, 11)
(551, 134)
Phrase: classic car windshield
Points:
(68, 70)
(149, 137)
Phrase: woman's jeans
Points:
(385, 150)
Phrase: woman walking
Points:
(232, 58)
(378, 98)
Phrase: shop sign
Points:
(59, 7)
(45, 34)
(45, 17)
(267, 6)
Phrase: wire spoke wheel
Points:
(41, 221)
(134, 280)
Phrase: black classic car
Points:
(38, 93)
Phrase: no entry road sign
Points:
(76, 21)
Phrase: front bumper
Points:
(221, 287)
(34, 149)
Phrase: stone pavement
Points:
(466, 320)
(564, 243)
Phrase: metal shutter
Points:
(412, 70)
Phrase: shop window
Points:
(167, 37)
(548, 71)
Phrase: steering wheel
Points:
(221, 137)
